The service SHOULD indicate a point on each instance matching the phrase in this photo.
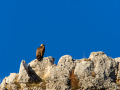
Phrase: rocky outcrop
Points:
(23, 73)
(98, 72)
(59, 76)
(2, 86)
(11, 78)
(9, 82)
(41, 68)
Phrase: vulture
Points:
(40, 52)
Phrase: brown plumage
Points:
(40, 52)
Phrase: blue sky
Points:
(73, 27)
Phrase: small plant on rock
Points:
(16, 83)
(74, 82)
(118, 82)
(93, 74)
(87, 59)
(41, 84)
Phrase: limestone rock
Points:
(25, 88)
(91, 83)
(41, 68)
(8, 81)
(118, 71)
(104, 66)
(84, 69)
(99, 72)
(59, 76)
(117, 59)
(3, 83)
(11, 78)
(23, 73)
(14, 87)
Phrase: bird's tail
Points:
(39, 57)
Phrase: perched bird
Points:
(40, 52)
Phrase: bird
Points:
(40, 52)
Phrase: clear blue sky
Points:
(73, 27)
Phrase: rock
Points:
(14, 87)
(59, 76)
(11, 78)
(118, 74)
(118, 71)
(84, 69)
(25, 88)
(8, 81)
(35, 88)
(117, 59)
(110, 85)
(104, 66)
(40, 83)
(2, 86)
(91, 83)
(41, 68)
(23, 73)
(97, 72)
(94, 54)
(39, 88)
(23, 85)
(77, 61)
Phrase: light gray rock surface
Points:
(11, 78)
(104, 69)
(117, 59)
(59, 76)
(23, 73)
(84, 69)
(98, 72)
(9, 82)
(3, 83)
(104, 66)
(118, 72)
(41, 68)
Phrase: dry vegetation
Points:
(118, 82)
(18, 85)
(37, 84)
(87, 59)
(8, 88)
(93, 74)
(15, 82)
(30, 85)
(74, 81)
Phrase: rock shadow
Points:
(34, 77)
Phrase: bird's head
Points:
(42, 45)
